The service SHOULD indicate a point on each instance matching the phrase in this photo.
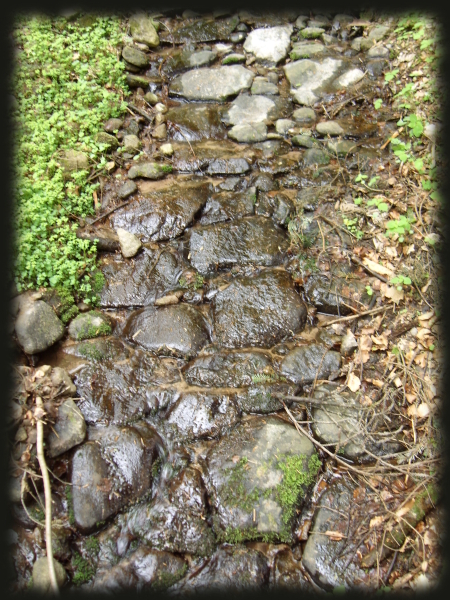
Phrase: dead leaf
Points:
(368, 331)
(426, 316)
(394, 294)
(365, 342)
(377, 268)
(336, 536)
(376, 521)
(421, 359)
(398, 382)
(404, 509)
(410, 398)
(354, 382)
(422, 332)
(423, 410)
(359, 494)
(378, 383)
(381, 341)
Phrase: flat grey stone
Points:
(342, 147)
(310, 33)
(249, 109)
(305, 141)
(212, 84)
(73, 160)
(378, 33)
(308, 77)
(37, 327)
(113, 125)
(269, 44)
(378, 52)
(62, 382)
(315, 156)
(131, 143)
(105, 138)
(129, 243)
(68, 431)
(202, 58)
(329, 128)
(249, 132)
(264, 87)
(306, 50)
(143, 30)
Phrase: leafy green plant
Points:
(360, 177)
(198, 281)
(351, 225)
(67, 81)
(400, 281)
(379, 203)
(369, 290)
(377, 103)
(400, 226)
(390, 75)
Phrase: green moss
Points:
(92, 545)
(156, 467)
(69, 314)
(69, 498)
(166, 168)
(93, 331)
(235, 494)
(295, 481)
(83, 570)
(165, 579)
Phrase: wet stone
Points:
(376, 67)
(225, 206)
(195, 122)
(138, 282)
(342, 147)
(143, 569)
(260, 399)
(175, 520)
(306, 364)
(37, 327)
(89, 325)
(305, 141)
(68, 431)
(230, 369)
(269, 44)
(230, 568)
(310, 33)
(349, 78)
(221, 157)
(128, 188)
(201, 31)
(378, 33)
(41, 582)
(129, 243)
(258, 311)
(203, 415)
(115, 391)
(378, 52)
(249, 109)
(164, 212)
(252, 240)
(287, 573)
(331, 296)
(244, 471)
(131, 144)
(108, 474)
(315, 156)
(178, 330)
(326, 559)
(212, 84)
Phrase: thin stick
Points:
(141, 112)
(47, 492)
(366, 268)
(108, 212)
(352, 317)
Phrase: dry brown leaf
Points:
(376, 521)
(394, 294)
(398, 382)
(421, 359)
(404, 509)
(426, 316)
(381, 341)
(377, 268)
(336, 536)
(354, 382)
(423, 410)
(378, 383)
(422, 332)
(367, 331)
(411, 411)
(410, 398)
(365, 342)
(359, 494)
(391, 251)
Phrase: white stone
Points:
(283, 125)
(329, 128)
(269, 44)
(166, 149)
(349, 78)
(129, 243)
(249, 109)
(308, 76)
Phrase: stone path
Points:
(186, 447)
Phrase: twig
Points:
(352, 317)
(47, 491)
(108, 212)
(140, 112)
(306, 400)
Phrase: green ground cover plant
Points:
(67, 81)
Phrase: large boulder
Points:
(256, 478)
(269, 45)
(143, 30)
